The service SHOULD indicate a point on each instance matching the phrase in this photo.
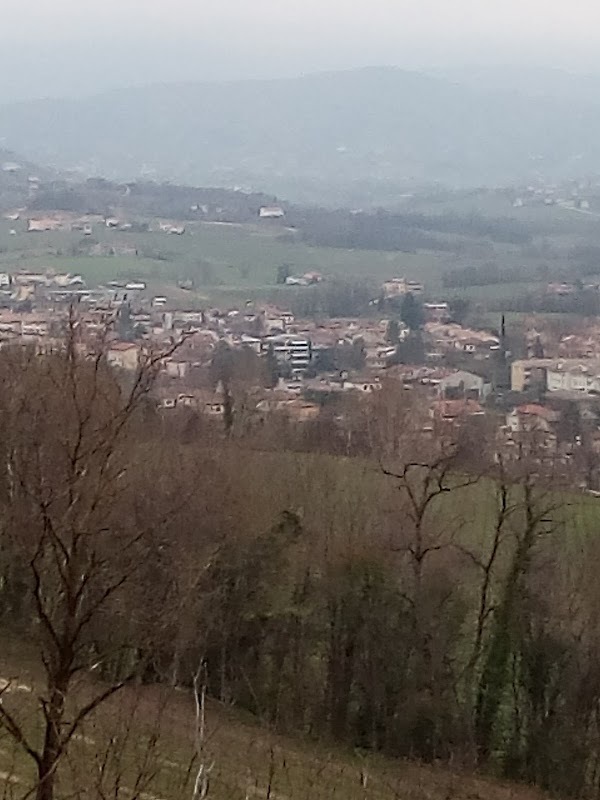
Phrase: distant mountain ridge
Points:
(315, 135)
(549, 82)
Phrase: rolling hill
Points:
(319, 136)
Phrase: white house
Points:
(580, 377)
(397, 287)
(530, 418)
(42, 225)
(271, 212)
(252, 342)
(123, 355)
(176, 369)
(465, 384)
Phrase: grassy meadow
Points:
(231, 262)
(215, 256)
(235, 261)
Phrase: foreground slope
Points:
(141, 744)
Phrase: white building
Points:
(575, 376)
(465, 384)
(293, 350)
(252, 342)
(581, 377)
(43, 225)
(397, 287)
(271, 212)
(123, 355)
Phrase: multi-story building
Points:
(529, 373)
(293, 350)
(581, 377)
(577, 376)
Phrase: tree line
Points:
(481, 275)
(149, 199)
(383, 230)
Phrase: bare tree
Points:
(74, 520)
(531, 519)
(487, 563)
(421, 485)
(202, 779)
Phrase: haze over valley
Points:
(330, 137)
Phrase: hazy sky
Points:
(53, 47)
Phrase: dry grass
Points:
(141, 745)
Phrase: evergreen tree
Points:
(538, 348)
(124, 325)
(271, 369)
(283, 272)
(459, 309)
(221, 366)
(411, 312)
(227, 407)
(411, 350)
(393, 332)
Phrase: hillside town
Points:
(301, 368)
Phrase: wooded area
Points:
(417, 601)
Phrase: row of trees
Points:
(337, 297)
(486, 274)
(149, 199)
(582, 302)
(396, 603)
(383, 230)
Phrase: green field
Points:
(224, 259)
(233, 262)
(551, 220)
(214, 256)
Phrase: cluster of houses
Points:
(307, 279)
(447, 337)
(570, 195)
(323, 357)
(315, 361)
(86, 224)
